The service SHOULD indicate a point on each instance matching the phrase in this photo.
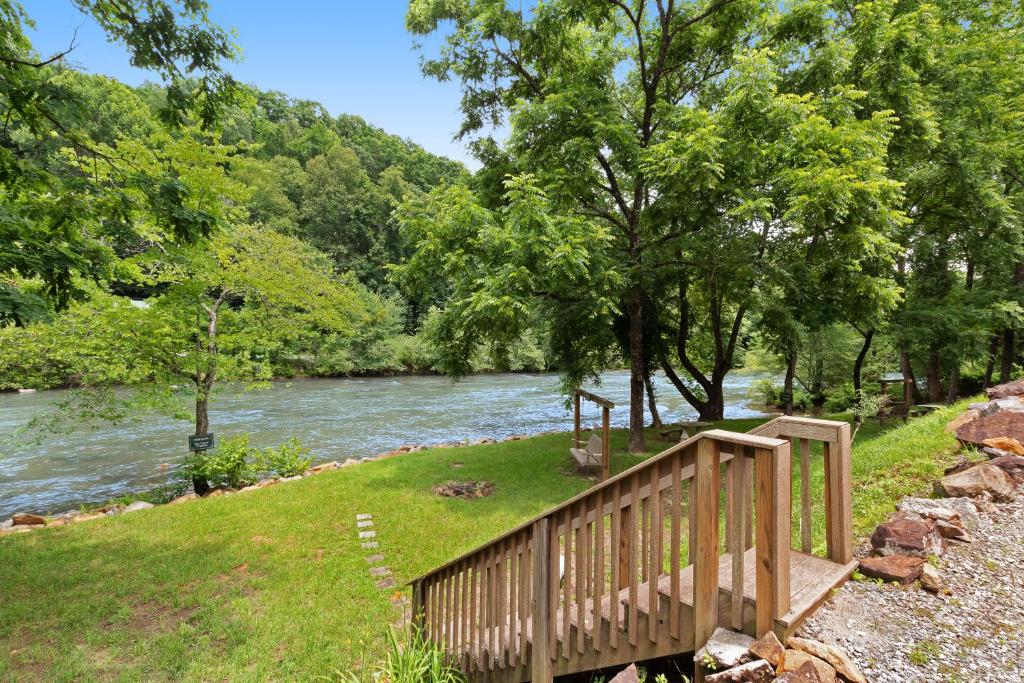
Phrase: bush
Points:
(770, 394)
(287, 460)
(840, 399)
(229, 464)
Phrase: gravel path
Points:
(974, 634)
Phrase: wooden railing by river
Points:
(649, 562)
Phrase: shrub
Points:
(287, 460)
(229, 464)
(840, 399)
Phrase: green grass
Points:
(273, 584)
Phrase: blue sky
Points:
(353, 57)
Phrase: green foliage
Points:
(411, 659)
(289, 459)
(230, 464)
(766, 392)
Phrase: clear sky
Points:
(354, 57)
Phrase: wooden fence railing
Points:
(633, 568)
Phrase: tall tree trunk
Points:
(652, 403)
(787, 384)
(934, 377)
(199, 483)
(858, 363)
(1009, 351)
(953, 388)
(990, 364)
(908, 373)
(205, 379)
(637, 444)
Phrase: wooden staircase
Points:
(649, 562)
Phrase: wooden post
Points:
(540, 658)
(606, 446)
(838, 498)
(774, 526)
(576, 420)
(626, 527)
(704, 505)
(418, 606)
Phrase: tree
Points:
(59, 223)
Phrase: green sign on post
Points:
(200, 442)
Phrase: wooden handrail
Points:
(578, 586)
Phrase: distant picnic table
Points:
(681, 431)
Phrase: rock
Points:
(758, 671)
(26, 391)
(1005, 423)
(87, 517)
(931, 579)
(835, 657)
(28, 519)
(252, 487)
(953, 532)
(1003, 443)
(769, 648)
(978, 479)
(962, 419)
(464, 489)
(323, 467)
(215, 493)
(805, 673)
(482, 442)
(960, 510)
(993, 452)
(983, 503)
(724, 650)
(1013, 465)
(902, 569)
(6, 524)
(138, 505)
(184, 499)
(266, 482)
(797, 658)
(295, 478)
(349, 462)
(909, 535)
(1015, 388)
(627, 675)
(112, 510)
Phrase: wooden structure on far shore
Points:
(606, 407)
(896, 407)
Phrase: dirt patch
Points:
(464, 489)
(150, 618)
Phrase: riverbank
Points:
(274, 584)
(334, 419)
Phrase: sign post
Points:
(200, 442)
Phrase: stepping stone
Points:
(369, 545)
(374, 559)
(386, 583)
(379, 571)
(364, 516)
(367, 534)
(363, 524)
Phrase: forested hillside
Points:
(286, 176)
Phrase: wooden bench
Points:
(590, 456)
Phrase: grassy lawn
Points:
(273, 584)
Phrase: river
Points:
(335, 418)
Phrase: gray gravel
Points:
(974, 634)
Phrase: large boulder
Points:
(798, 658)
(956, 510)
(1013, 465)
(769, 648)
(627, 675)
(751, 672)
(908, 534)
(962, 419)
(805, 673)
(981, 478)
(724, 650)
(900, 569)
(1003, 445)
(1005, 423)
(1015, 388)
(836, 658)
(28, 519)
